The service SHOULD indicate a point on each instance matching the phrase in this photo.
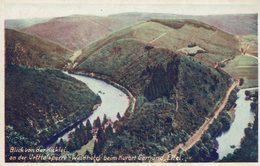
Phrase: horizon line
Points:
(120, 13)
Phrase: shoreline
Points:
(52, 139)
(233, 123)
(106, 79)
(204, 127)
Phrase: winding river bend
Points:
(113, 100)
(233, 136)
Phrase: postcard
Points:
(130, 82)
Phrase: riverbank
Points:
(53, 139)
(106, 79)
(231, 139)
(203, 129)
(209, 149)
(248, 150)
(110, 92)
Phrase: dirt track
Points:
(199, 133)
(163, 34)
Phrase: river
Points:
(233, 136)
(113, 100)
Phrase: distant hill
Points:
(23, 23)
(241, 24)
(31, 51)
(122, 51)
(40, 100)
(237, 24)
(76, 32)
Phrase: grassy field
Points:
(248, 44)
(244, 67)
(217, 44)
(87, 147)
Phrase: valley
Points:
(201, 131)
(171, 78)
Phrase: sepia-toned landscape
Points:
(132, 87)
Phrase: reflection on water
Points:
(230, 140)
(113, 100)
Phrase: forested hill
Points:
(175, 92)
(42, 102)
(125, 55)
(168, 65)
(80, 30)
(175, 103)
(31, 51)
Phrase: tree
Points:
(88, 129)
(241, 82)
(204, 152)
(71, 146)
(88, 125)
(97, 123)
(100, 135)
(226, 123)
(97, 148)
(104, 120)
(109, 131)
(82, 134)
(247, 93)
(254, 106)
(87, 153)
(206, 137)
(194, 152)
(77, 139)
(62, 143)
(118, 116)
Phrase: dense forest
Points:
(42, 102)
(158, 107)
(205, 150)
(171, 93)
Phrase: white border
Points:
(2, 4)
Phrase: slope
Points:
(174, 92)
(195, 87)
(76, 31)
(133, 48)
(237, 24)
(31, 51)
(41, 102)
(23, 23)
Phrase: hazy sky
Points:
(15, 10)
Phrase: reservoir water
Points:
(233, 136)
(113, 100)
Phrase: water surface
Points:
(233, 136)
(113, 100)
